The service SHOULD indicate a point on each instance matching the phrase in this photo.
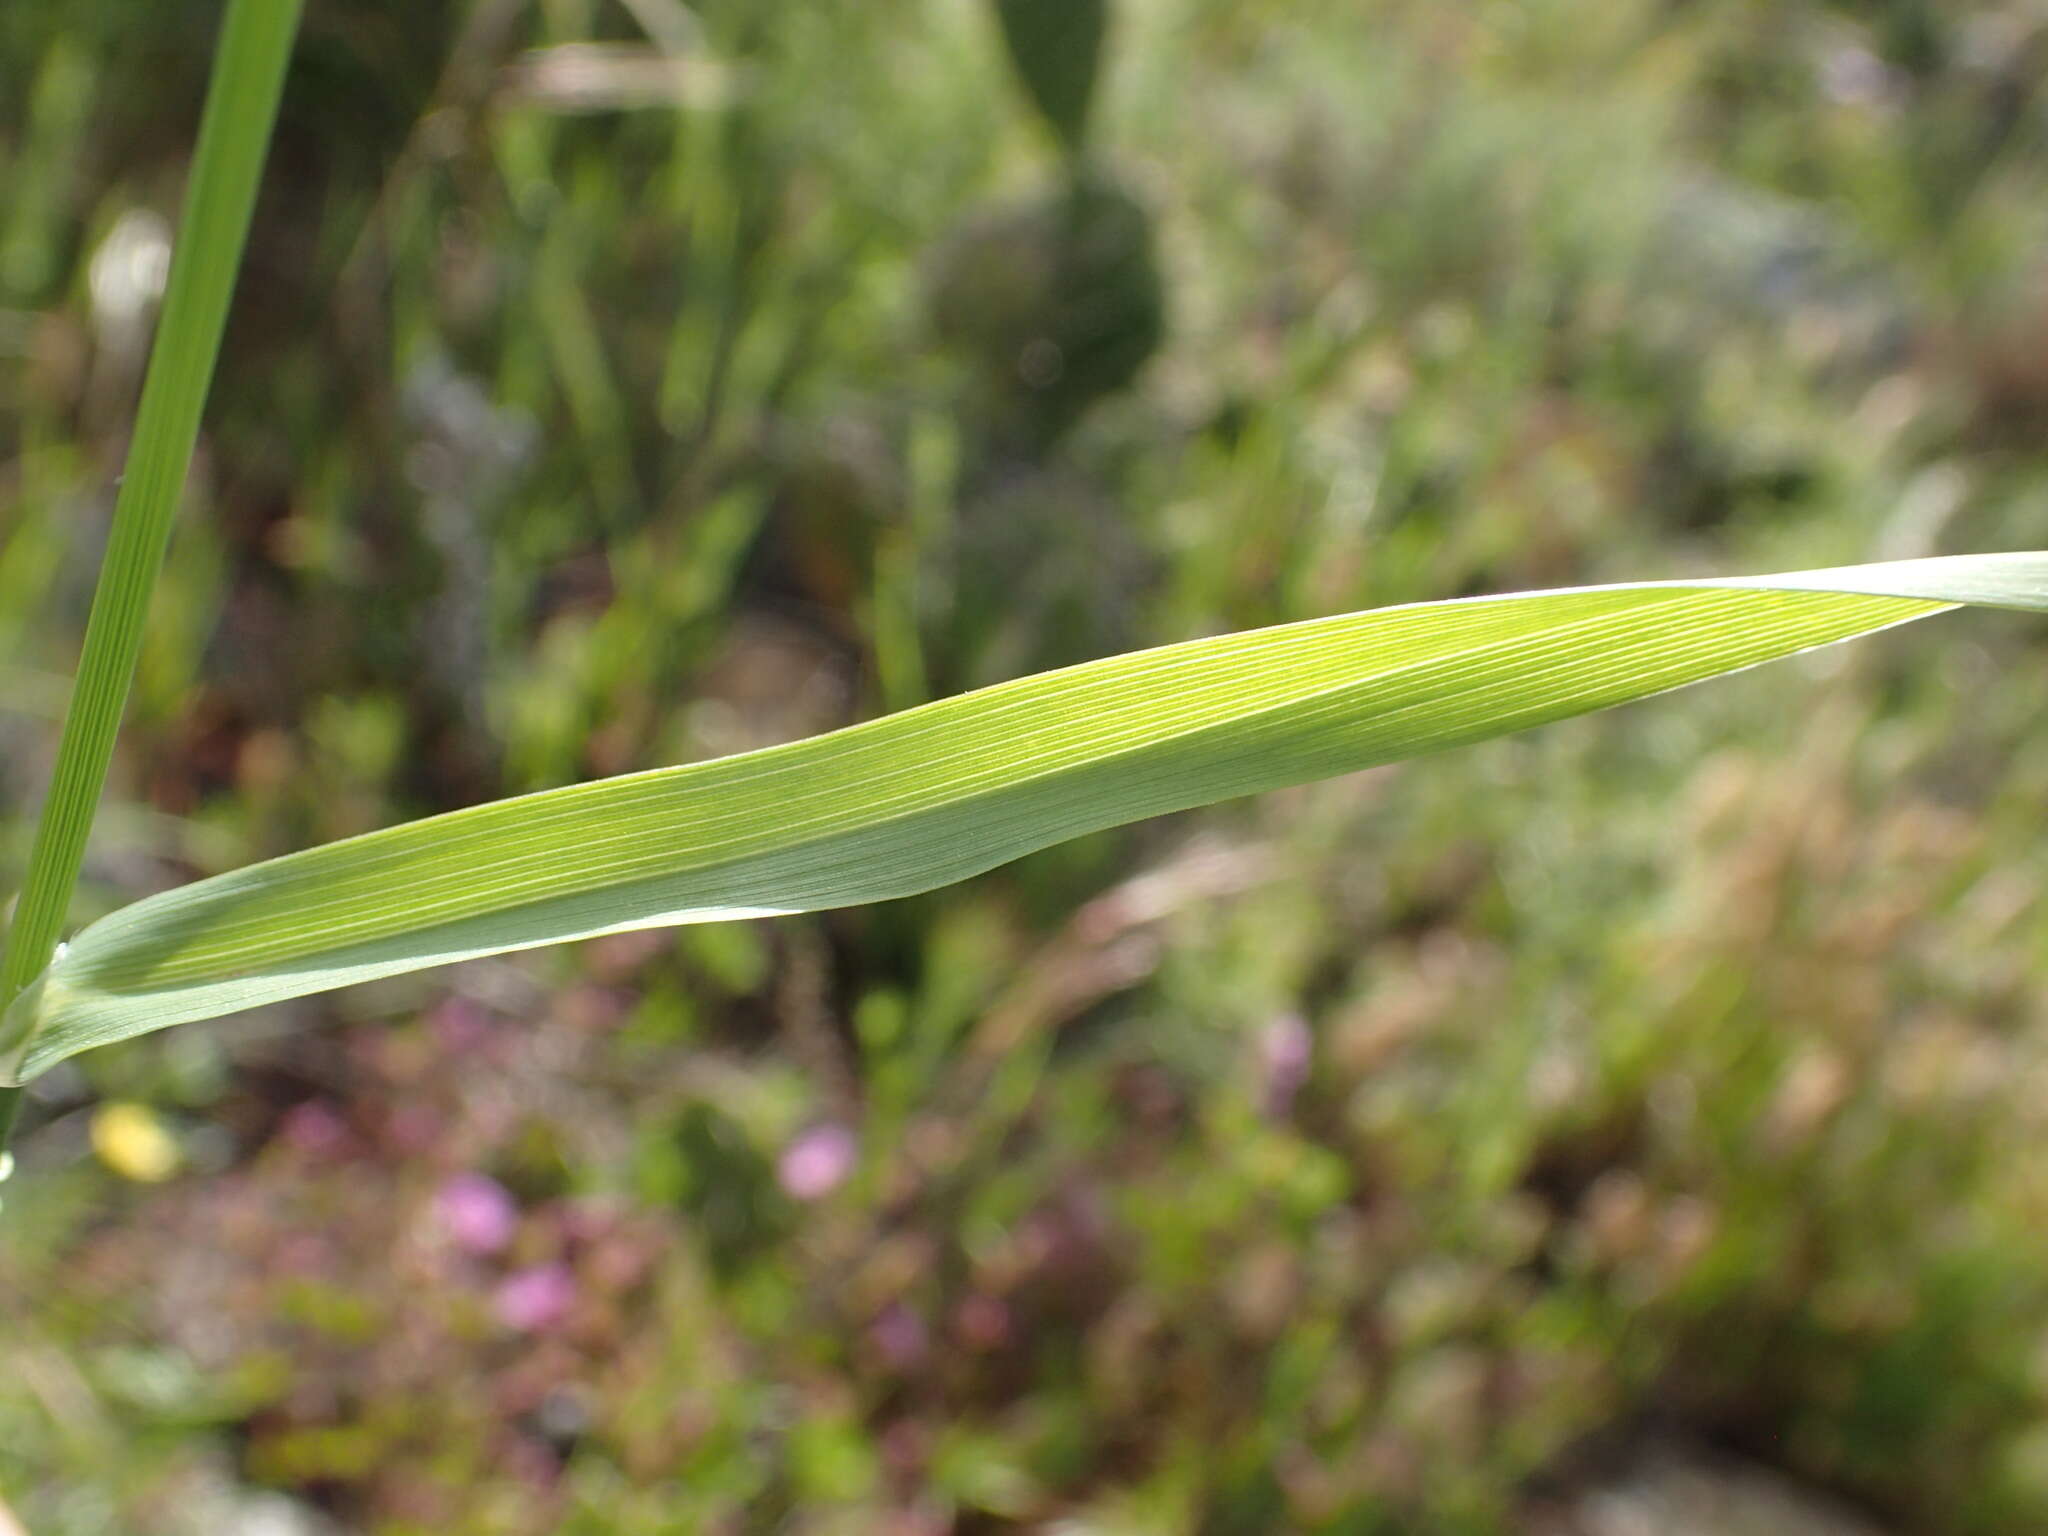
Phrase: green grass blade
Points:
(935, 794)
(241, 105)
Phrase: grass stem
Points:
(234, 133)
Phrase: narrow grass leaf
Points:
(234, 133)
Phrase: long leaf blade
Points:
(923, 798)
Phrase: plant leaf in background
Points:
(932, 795)
(1056, 301)
(1056, 46)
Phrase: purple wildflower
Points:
(983, 1322)
(460, 1023)
(816, 1162)
(1285, 1050)
(537, 1298)
(313, 1128)
(899, 1336)
(477, 1213)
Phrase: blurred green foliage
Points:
(617, 384)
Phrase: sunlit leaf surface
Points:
(932, 795)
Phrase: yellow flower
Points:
(132, 1141)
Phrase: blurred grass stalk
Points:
(241, 107)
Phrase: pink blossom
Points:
(899, 1336)
(983, 1322)
(313, 1128)
(1285, 1050)
(459, 1023)
(476, 1212)
(816, 1162)
(537, 1298)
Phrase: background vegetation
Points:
(617, 384)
